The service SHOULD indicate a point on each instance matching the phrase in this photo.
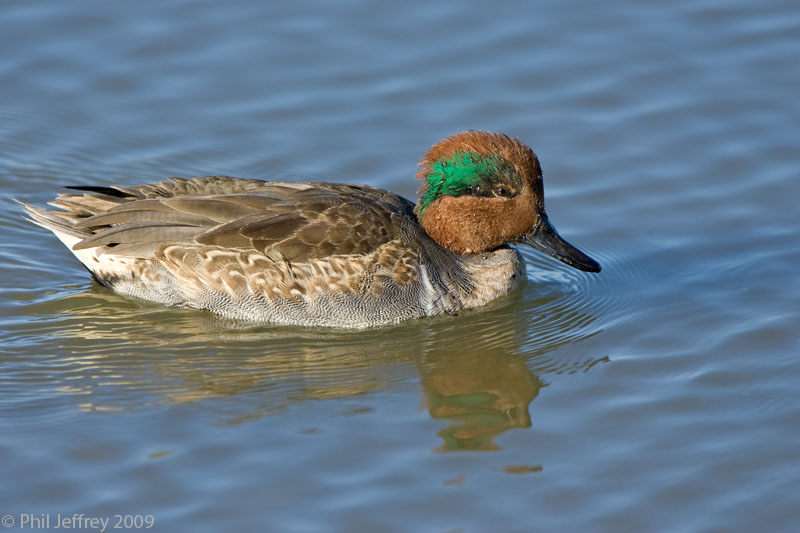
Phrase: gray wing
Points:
(298, 221)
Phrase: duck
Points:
(321, 254)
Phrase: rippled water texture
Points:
(659, 395)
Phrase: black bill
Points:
(545, 238)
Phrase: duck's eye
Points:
(502, 190)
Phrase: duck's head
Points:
(482, 190)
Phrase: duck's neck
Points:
(492, 274)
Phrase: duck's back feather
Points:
(299, 222)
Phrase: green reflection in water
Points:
(484, 394)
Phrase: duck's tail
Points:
(62, 223)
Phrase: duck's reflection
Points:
(483, 394)
(478, 371)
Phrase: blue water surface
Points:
(659, 395)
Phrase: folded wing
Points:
(296, 221)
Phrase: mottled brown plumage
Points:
(313, 253)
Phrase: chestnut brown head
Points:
(482, 190)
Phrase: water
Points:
(659, 395)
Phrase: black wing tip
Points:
(108, 191)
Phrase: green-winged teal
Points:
(321, 254)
